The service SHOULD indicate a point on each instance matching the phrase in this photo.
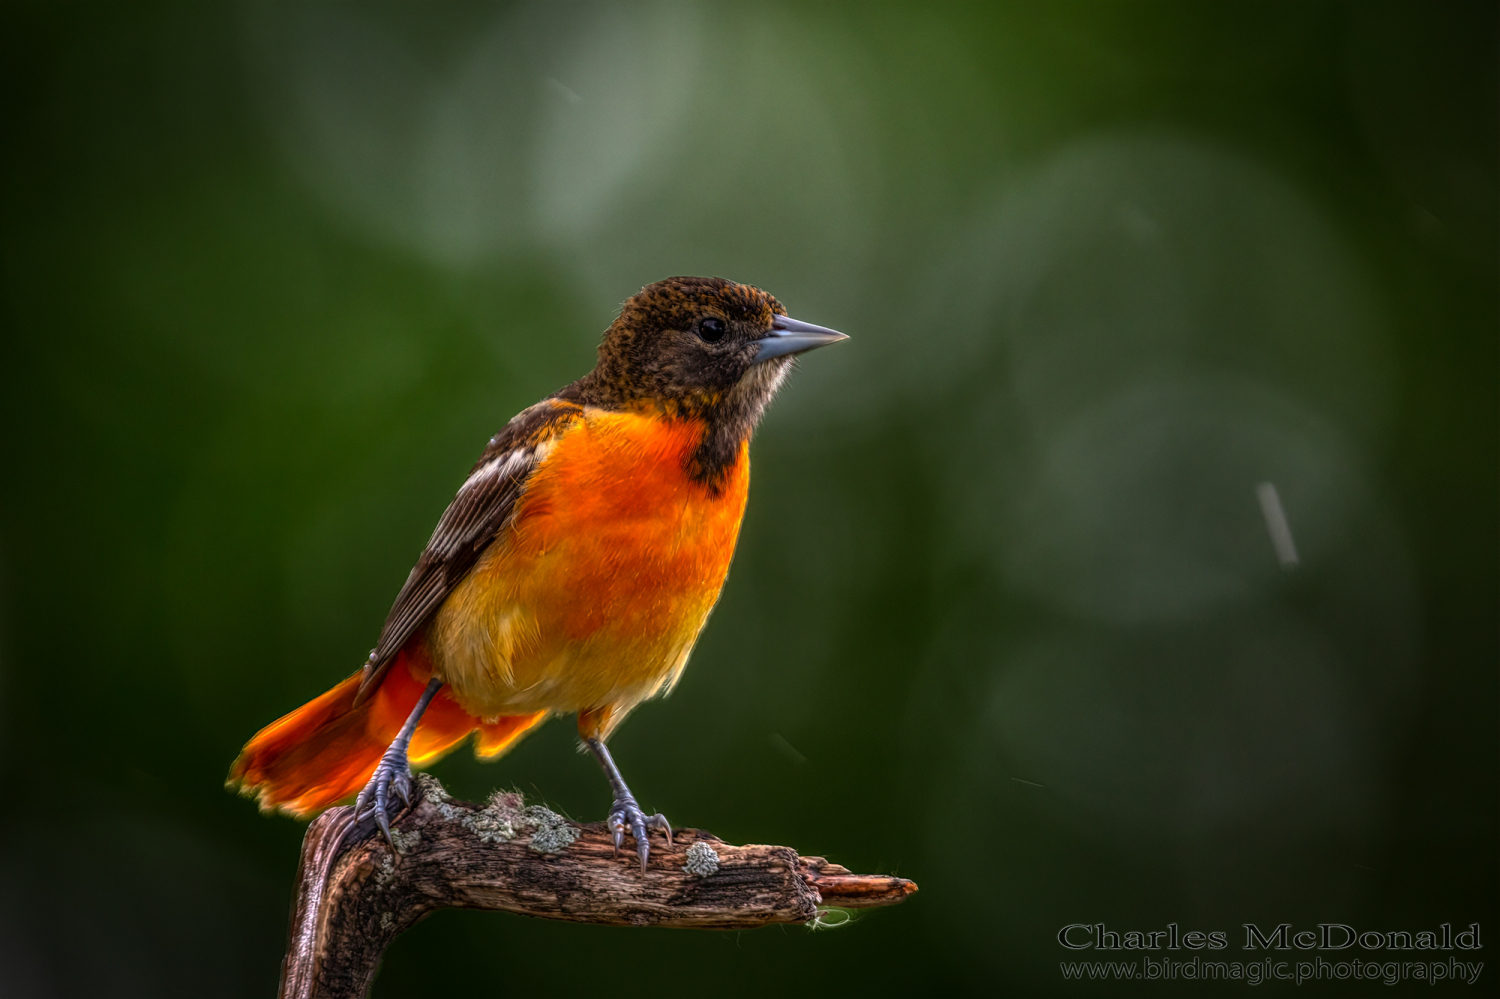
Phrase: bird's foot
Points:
(626, 816)
(391, 780)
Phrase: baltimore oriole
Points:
(573, 571)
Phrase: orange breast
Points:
(599, 590)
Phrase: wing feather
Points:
(484, 506)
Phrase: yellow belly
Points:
(596, 594)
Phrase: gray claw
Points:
(626, 815)
(392, 774)
(385, 827)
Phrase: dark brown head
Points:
(699, 348)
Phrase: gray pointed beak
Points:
(789, 336)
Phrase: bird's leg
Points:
(392, 776)
(625, 814)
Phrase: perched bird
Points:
(573, 571)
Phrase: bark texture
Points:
(354, 893)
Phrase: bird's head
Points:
(702, 347)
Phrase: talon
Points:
(626, 817)
(392, 776)
(385, 827)
(390, 781)
(625, 814)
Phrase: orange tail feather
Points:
(326, 750)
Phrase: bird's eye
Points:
(711, 330)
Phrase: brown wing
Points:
(483, 507)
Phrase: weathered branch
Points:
(350, 902)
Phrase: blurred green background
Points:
(1006, 616)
